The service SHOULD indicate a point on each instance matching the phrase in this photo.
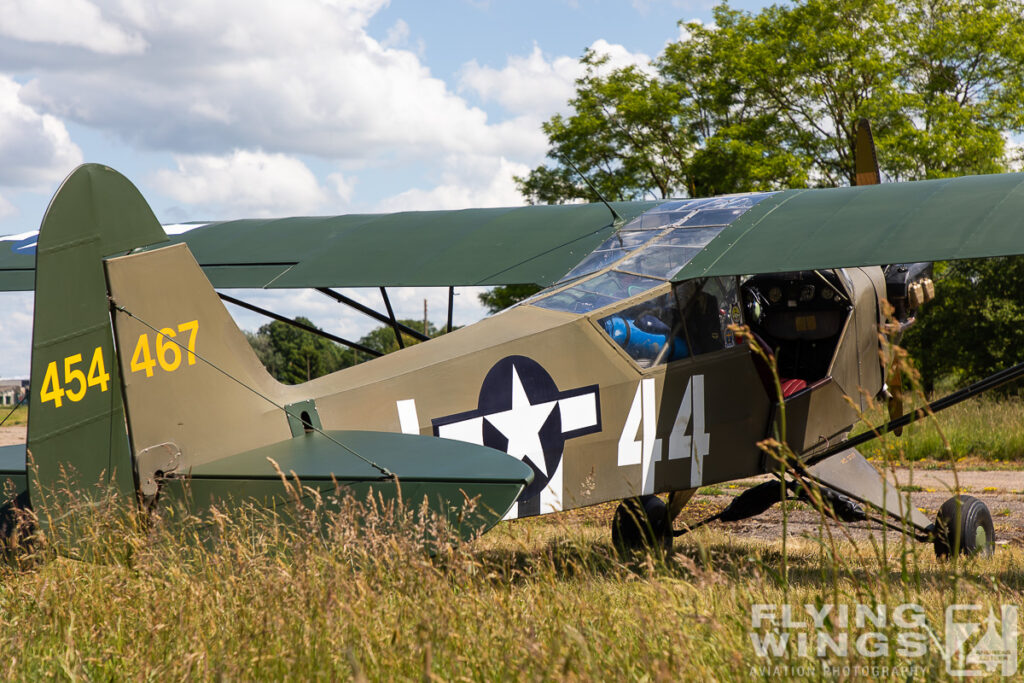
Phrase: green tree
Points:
(500, 298)
(973, 328)
(771, 100)
(383, 338)
(294, 356)
(961, 66)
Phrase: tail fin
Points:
(195, 390)
(77, 420)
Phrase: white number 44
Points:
(642, 422)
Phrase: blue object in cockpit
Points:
(644, 337)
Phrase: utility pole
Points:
(425, 332)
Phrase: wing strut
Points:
(391, 317)
(301, 326)
(342, 299)
(451, 304)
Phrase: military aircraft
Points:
(623, 379)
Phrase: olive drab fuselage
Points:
(551, 388)
(619, 380)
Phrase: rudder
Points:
(77, 427)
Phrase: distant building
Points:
(12, 391)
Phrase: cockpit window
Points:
(611, 250)
(651, 332)
(695, 212)
(646, 251)
(721, 217)
(692, 319)
(709, 307)
(673, 251)
(656, 220)
(597, 292)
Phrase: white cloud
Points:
(302, 77)
(397, 35)
(619, 56)
(529, 84)
(684, 29)
(244, 183)
(343, 187)
(15, 333)
(75, 23)
(467, 182)
(212, 83)
(35, 148)
(537, 86)
(6, 208)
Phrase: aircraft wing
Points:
(18, 262)
(525, 244)
(932, 220)
(929, 220)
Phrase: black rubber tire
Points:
(9, 520)
(968, 532)
(642, 524)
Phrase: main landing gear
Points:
(645, 523)
(642, 524)
(963, 525)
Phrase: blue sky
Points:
(263, 108)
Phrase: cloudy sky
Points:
(249, 108)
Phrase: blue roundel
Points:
(26, 245)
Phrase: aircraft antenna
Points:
(618, 219)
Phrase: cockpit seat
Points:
(791, 386)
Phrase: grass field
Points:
(981, 431)
(17, 416)
(532, 600)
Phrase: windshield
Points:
(645, 252)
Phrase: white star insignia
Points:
(522, 423)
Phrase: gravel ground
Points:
(1001, 490)
(12, 435)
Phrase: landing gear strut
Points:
(642, 524)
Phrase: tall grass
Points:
(249, 596)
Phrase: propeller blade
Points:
(865, 161)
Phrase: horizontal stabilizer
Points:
(12, 459)
(445, 473)
(410, 457)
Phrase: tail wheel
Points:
(15, 524)
(642, 524)
(964, 526)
